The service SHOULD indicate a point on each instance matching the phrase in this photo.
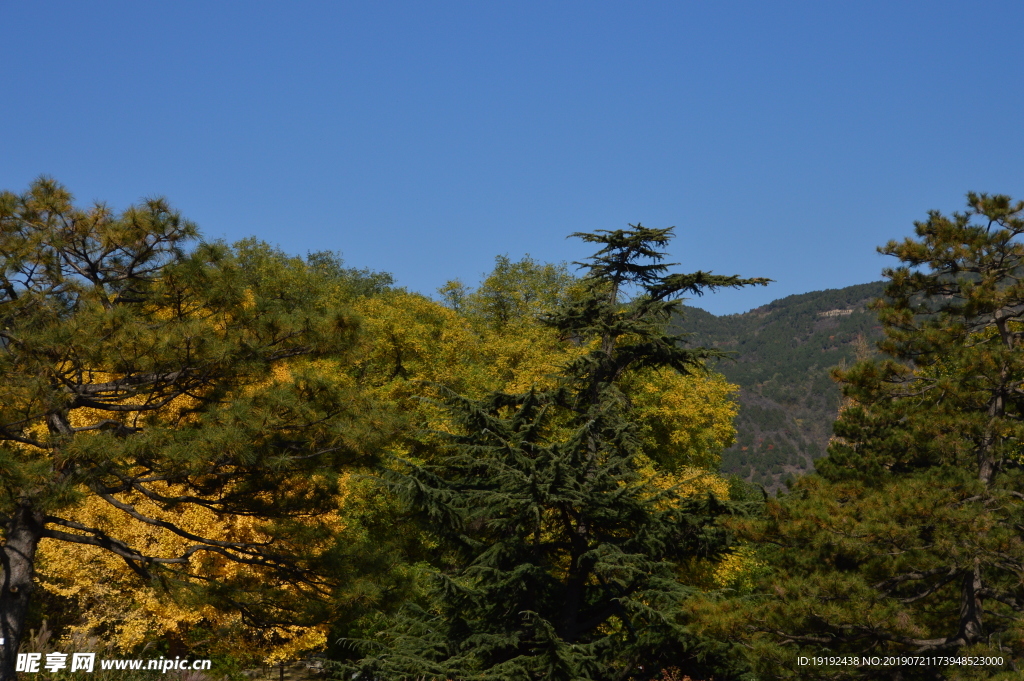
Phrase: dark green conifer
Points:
(557, 559)
(908, 540)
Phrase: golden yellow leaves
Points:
(684, 420)
(110, 598)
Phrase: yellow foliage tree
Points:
(128, 613)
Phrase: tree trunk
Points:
(18, 555)
(971, 629)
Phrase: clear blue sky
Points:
(783, 139)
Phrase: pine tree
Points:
(149, 371)
(908, 540)
(558, 557)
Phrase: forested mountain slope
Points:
(783, 354)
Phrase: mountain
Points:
(781, 356)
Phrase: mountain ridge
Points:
(782, 355)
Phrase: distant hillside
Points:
(784, 351)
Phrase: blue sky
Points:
(783, 139)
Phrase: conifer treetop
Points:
(632, 331)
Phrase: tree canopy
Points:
(233, 452)
(907, 541)
(157, 373)
(557, 554)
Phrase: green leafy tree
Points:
(908, 540)
(514, 293)
(558, 557)
(145, 370)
